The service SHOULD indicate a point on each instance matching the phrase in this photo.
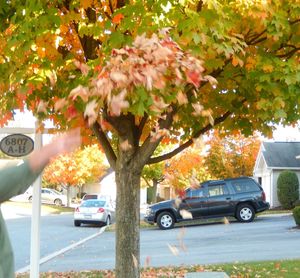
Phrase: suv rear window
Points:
(241, 186)
(217, 190)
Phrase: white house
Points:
(272, 159)
(107, 187)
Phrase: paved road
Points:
(267, 238)
(57, 232)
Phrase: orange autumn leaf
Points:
(117, 18)
(235, 61)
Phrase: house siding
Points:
(272, 159)
(266, 185)
(107, 187)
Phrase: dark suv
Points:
(240, 197)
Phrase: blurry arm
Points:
(15, 180)
(63, 144)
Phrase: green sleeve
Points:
(15, 180)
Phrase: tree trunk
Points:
(155, 183)
(127, 221)
(68, 195)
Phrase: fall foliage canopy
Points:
(142, 72)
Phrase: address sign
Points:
(17, 145)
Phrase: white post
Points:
(36, 217)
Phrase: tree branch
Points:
(190, 141)
(142, 124)
(110, 154)
(149, 146)
(288, 55)
(199, 6)
(254, 39)
(294, 21)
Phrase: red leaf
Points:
(71, 112)
(117, 18)
(194, 78)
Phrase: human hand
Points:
(64, 143)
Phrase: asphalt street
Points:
(267, 238)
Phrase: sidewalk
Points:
(12, 212)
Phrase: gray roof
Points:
(281, 154)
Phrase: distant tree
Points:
(231, 155)
(153, 174)
(288, 189)
(81, 167)
(186, 170)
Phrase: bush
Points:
(287, 189)
(297, 203)
(296, 214)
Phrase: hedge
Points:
(296, 214)
(288, 189)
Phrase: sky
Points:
(280, 134)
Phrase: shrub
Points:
(287, 189)
(296, 214)
(297, 203)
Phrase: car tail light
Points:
(77, 210)
(263, 196)
(100, 210)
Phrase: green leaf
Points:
(280, 114)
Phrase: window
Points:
(195, 193)
(244, 186)
(217, 190)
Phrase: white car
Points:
(48, 196)
(94, 211)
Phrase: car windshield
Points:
(93, 203)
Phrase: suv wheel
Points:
(165, 220)
(245, 213)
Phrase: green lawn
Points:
(276, 269)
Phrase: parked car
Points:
(240, 197)
(89, 196)
(48, 196)
(94, 211)
(94, 196)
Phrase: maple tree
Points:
(232, 155)
(235, 64)
(187, 169)
(153, 174)
(85, 165)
